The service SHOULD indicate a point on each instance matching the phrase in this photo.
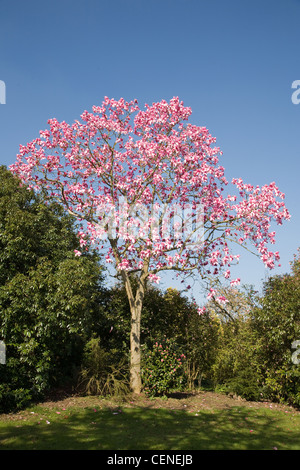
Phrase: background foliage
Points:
(63, 326)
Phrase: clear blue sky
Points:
(233, 62)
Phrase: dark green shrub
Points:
(13, 399)
(276, 323)
(246, 383)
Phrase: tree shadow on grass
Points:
(154, 429)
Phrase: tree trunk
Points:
(135, 350)
(136, 304)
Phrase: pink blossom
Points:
(211, 294)
(221, 299)
(227, 274)
(201, 311)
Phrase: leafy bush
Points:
(102, 372)
(283, 385)
(277, 325)
(237, 369)
(13, 398)
(246, 383)
(163, 368)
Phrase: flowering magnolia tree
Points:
(147, 187)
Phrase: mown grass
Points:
(140, 428)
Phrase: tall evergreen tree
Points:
(49, 299)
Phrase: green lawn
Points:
(138, 427)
